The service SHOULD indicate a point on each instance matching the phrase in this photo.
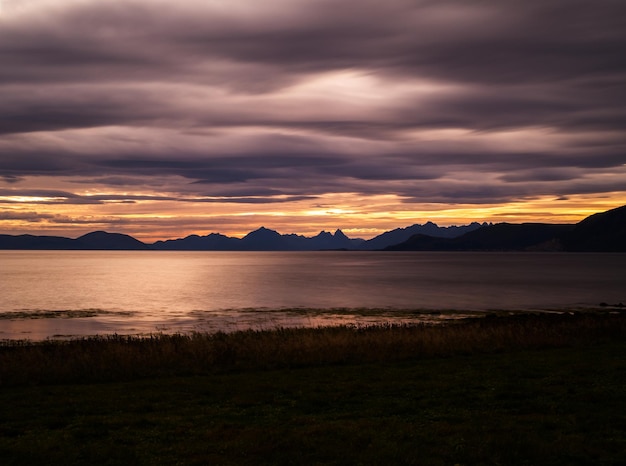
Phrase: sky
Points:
(161, 119)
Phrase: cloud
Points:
(37, 196)
(32, 217)
(284, 101)
(11, 179)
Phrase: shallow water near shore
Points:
(65, 294)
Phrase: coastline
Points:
(121, 357)
(525, 389)
(65, 324)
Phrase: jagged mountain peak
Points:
(605, 231)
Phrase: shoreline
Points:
(125, 357)
(44, 325)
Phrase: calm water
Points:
(63, 293)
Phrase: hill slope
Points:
(602, 232)
(499, 237)
(36, 242)
(400, 235)
(109, 241)
(97, 240)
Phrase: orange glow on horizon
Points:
(356, 215)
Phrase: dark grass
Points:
(521, 390)
(118, 358)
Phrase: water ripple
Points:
(60, 314)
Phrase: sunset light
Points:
(163, 119)
(373, 232)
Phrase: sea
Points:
(76, 294)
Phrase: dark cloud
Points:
(35, 196)
(43, 193)
(11, 179)
(31, 217)
(278, 101)
(38, 196)
(251, 199)
(540, 175)
(17, 163)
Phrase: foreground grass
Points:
(535, 390)
(118, 358)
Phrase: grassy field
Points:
(518, 390)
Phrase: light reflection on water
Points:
(66, 293)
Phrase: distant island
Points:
(601, 232)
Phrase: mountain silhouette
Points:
(110, 241)
(498, 237)
(605, 231)
(400, 235)
(36, 242)
(262, 239)
(336, 240)
(601, 232)
(212, 242)
(95, 240)
(265, 239)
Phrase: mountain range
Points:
(97, 240)
(601, 232)
(604, 231)
(262, 239)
